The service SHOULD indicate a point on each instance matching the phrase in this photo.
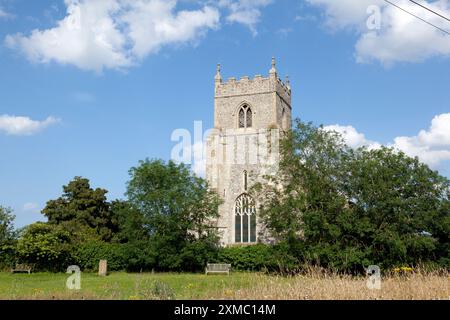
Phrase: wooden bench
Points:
(22, 268)
(218, 268)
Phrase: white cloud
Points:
(352, 137)
(113, 34)
(401, 37)
(247, 12)
(345, 13)
(22, 126)
(431, 146)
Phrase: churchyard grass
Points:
(141, 286)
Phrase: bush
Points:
(139, 256)
(46, 246)
(89, 254)
(120, 257)
(195, 255)
(8, 257)
(258, 257)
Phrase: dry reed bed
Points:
(415, 286)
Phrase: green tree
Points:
(440, 229)
(83, 211)
(131, 225)
(7, 231)
(346, 209)
(309, 171)
(8, 237)
(404, 202)
(178, 210)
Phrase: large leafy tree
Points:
(441, 230)
(178, 209)
(82, 210)
(346, 209)
(306, 183)
(131, 226)
(7, 232)
(400, 206)
(8, 236)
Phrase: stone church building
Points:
(250, 115)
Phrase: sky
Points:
(89, 88)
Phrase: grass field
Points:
(236, 286)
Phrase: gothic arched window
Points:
(245, 219)
(245, 117)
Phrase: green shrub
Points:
(195, 255)
(89, 254)
(258, 257)
(8, 256)
(120, 256)
(46, 246)
(138, 256)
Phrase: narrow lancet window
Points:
(241, 118)
(245, 180)
(248, 123)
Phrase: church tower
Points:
(249, 117)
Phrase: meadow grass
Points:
(140, 286)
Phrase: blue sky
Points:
(99, 85)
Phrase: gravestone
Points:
(102, 268)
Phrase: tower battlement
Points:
(250, 86)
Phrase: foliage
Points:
(346, 209)
(46, 246)
(82, 209)
(120, 257)
(258, 257)
(130, 223)
(139, 256)
(89, 254)
(165, 225)
(329, 205)
(8, 237)
(178, 210)
(397, 207)
(7, 232)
